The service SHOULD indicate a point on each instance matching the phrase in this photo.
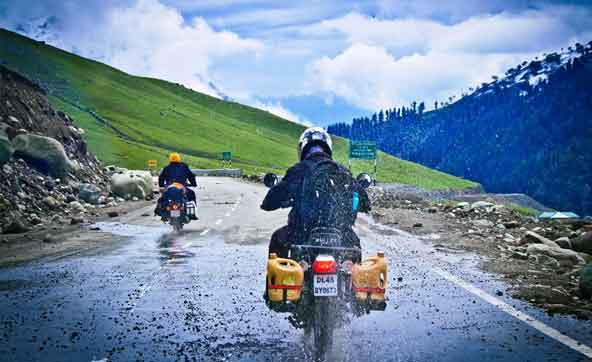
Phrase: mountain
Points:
(529, 131)
(129, 120)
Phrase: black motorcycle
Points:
(327, 297)
(174, 207)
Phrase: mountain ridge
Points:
(528, 131)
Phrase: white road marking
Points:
(144, 289)
(219, 221)
(204, 232)
(227, 214)
(531, 321)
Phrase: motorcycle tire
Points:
(322, 328)
(177, 224)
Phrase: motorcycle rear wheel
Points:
(322, 328)
(177, 224)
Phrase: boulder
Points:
(583, 243)
(532, 237)
(6, 149)
(89, 193)
(586, 281)
(43, 153)
(51, 202)
(130, 184)
(76, 206)
(565, 257)
(511, 224)
(563, 242)
(482, 223)
(481, 205)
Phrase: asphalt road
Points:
(197, 296)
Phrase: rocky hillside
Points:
(529, 131)
(47, 173)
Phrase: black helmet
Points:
(314, 136)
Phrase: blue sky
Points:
(309, 61)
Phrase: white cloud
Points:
(277, 109)
(371, 78)
(152, 39)
(394, 62)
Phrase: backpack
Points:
(327, 197)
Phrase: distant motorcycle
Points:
(175, 209)
(327, 293)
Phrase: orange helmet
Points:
(175, 157)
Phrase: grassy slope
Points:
(158, 116)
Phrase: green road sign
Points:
(226, 156)
(362, 150)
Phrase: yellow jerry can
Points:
(283, 276)
(370, 278)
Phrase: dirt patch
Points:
(55, 241)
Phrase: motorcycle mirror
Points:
(270, 179)
(364, 180)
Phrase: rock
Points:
(432, 210)
(43, 153)
(417, 225)
(463, 205)
(565, 257)
(6, 149)
(131, 184)
(482, 223)
(511, 224)
(7, 169)
(563, 242)
(47, 238)
(500, 226)
(34, 219)
(519, 255)
(16, 226)
(77, 220)
(76, 206)
(532, 237)
(51, 202)
(558, 309)
(583, 243)
(545, 294)
(135, 198)
(481, 205)
(89, 193)
(585, 283)
(113, 214)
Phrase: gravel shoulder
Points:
(500, 238)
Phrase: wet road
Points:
(198, 297)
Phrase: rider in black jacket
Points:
(315, 145)
(177, 172)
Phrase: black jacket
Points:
(290, 187)
(176, 172)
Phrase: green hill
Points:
(129, 120)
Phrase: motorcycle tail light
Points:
(304, 265)
(347, 266)
(324, 264)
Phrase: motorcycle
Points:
(327, 294)
(175, 209)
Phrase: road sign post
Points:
(363, 150)
(227, 159)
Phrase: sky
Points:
(311, 61)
